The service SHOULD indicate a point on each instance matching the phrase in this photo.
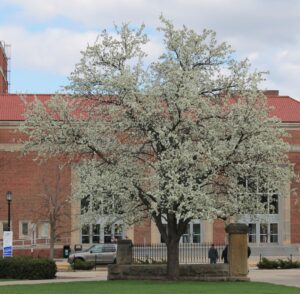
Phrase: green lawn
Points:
(142, 287)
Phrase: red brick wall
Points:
(37, 252)
(218, 232)
(295, 200)
(23, 177)
(10, 136)
(142, 232)
(294, 158)
(294, 138)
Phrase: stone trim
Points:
(290, 125)
(294, 148)
(11, 147)
(194, 272)
(10, 122)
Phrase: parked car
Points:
(100, 253)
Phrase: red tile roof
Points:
(12, 108)
(285, 107)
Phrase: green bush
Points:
(285, 264)
(150, 261)
(279, 263)
(268, 264)
(25, 267)
(80, 264)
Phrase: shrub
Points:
(25, 267)
(279, 263)
(150, 261)
(268, 264)
(80, 264)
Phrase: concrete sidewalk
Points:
(64, 277)
(287, 277)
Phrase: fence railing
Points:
(25, 243)
(188, 253)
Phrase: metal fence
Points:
(188, 253)
(28, 243)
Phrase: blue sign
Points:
(7, 243)
(7, 251)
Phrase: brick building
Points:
(3, 68)
(30, 181)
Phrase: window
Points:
(43, 230)
(107, 234)
(85, 234)
(192, 233)
(263, 233)
(186, 235)
(273, 204)
(260, 188)
(263, 225)
(270, 202)
(24, 229)
(252, 233)
(274, 233)
(96, 233)
(118, 232)
(85, 203)
(196, 233)
(3, 227)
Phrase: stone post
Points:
(124, 252)
(238, 250)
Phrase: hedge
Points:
(277, 264)
(25, 267)
(79, 264)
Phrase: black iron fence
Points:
(188, 253)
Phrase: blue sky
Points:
(46, 36)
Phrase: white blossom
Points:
(173, 141)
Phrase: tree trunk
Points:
(173, 259)
(52, 242)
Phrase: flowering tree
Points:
(173, 141)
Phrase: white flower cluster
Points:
(174, 141)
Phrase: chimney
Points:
(3, 68)
(271, 92)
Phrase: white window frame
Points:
(268, 218)
(21, 235)
(258, 233)
(2, 222)
(40, 230)
(102, 235)
(190, 237)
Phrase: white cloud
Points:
(55, 50)
(252, 56)
(264, 31)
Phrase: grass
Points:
(143, 287)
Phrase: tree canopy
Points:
(174, 140)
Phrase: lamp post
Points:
(9, 199)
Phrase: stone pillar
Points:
(124, 252)
(237, 250)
